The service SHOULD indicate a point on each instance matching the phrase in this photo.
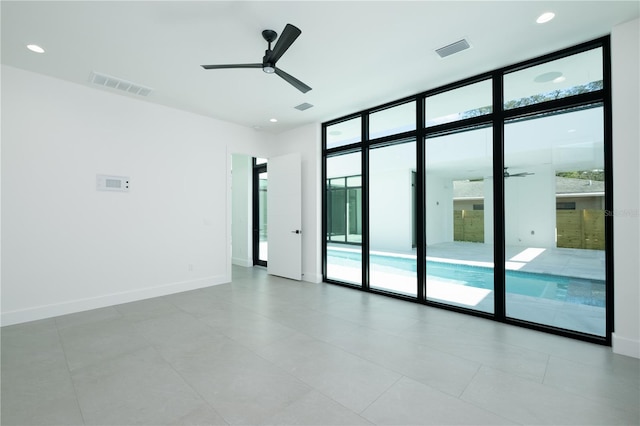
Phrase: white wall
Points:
(390, 209)
(530, 209)
(306, 140)
(439, 205)
(68, 247)
(625, 48)
(241, 210)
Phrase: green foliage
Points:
(538, 98)
(555, 94)
(584, 174)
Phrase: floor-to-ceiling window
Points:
(488, 195)
(549, 283)
(344, 223)
(391, 253)
(550, 280)
(458, 187)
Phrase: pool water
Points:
(555, 287)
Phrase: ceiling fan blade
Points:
(293, 81)
(286, 39)
(214, 67)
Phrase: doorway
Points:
(259, 214)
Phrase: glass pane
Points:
(466, 102)
(554, 220)
(260, 161)
(459, 219)
(344, 133)
(263, 252)
(344, 218)
(557, 79)
(394, 120)
(392, 202)
(354, 181)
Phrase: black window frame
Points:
(496, 119)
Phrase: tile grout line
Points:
(402, 376)
(73, 384)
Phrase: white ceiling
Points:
(354, 55)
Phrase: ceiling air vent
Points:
(452, 48)
(303, 106)
(118, 83)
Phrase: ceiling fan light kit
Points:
(268, 65)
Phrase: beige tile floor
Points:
(265, 350)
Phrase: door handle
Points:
(297, 231)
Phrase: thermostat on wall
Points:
(112, 183)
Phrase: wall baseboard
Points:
(247, 263)
(624, 346)
(80, 305)
(311, 277)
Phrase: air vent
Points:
(120, 84)
(303, 106)
(452, 48)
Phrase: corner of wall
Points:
(624, 346)
(625, 49)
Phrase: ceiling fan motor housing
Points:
(267, 66)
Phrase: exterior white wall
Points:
(68, 247)
(390, 210)
(241, 210)
(530, 209)
(439, 206)
(306, 140)
(625, 61)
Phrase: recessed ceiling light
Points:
(35, 48)
(554, 76)
(545, 17)
(274, 120)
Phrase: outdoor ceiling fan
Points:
(522, 174)
(506, 174)
(268, 65)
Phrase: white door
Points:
(284, 216)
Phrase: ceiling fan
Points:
(506, 174)
(268, 65)
(522, 174)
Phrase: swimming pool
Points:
(573, 290)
